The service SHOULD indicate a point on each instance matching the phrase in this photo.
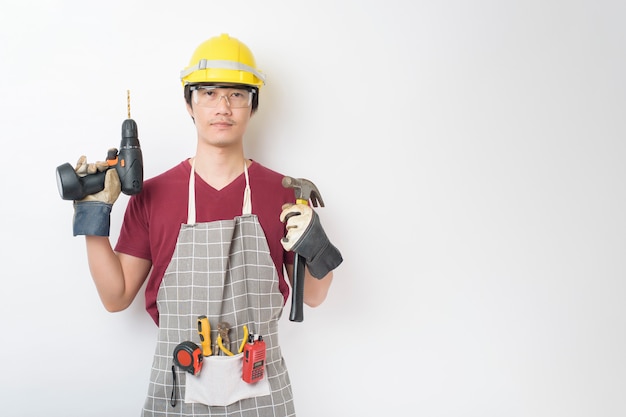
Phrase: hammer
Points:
(303, 190)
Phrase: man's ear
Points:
(190, 111)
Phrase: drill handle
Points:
(93, 183)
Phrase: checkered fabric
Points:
(222, 270)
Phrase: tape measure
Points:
(188, 356)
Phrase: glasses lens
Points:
(210, 96)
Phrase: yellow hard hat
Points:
(222, 59)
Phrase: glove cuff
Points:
(325, 261)
(92, 218)
(321, 255)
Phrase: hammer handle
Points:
(297, 298)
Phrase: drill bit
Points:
(128, 102)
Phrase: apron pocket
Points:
(219, 382)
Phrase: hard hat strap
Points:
(221, 64)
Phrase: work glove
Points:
(306, 237)
(92, 214)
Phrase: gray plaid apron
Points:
(223, 270)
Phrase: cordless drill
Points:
(128, 162)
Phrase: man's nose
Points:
(223, 105)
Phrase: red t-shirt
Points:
(153, 218)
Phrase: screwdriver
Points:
(204, 331)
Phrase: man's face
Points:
(218, 120)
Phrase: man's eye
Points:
(208, 93)
(236, 94)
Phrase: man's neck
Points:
(219, 167)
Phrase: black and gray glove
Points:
(92, 214)
(306, 237)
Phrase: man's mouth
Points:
(222, 122)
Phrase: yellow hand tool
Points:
(223, 339)
(204, 331)
(222, 347)
(226, 351)
(245, 338)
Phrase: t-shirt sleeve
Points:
(134, 239)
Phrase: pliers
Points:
(223, 328)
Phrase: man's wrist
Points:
(324, 261)
(321, 255)
(92, 218)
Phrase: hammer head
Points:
(304, 190)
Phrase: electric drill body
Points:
(128, 162)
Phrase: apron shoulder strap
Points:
(191, 204)
(247, 198)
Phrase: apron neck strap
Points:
(247, 198)
(191, 206)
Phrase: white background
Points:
(470, 155)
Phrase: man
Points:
(209, 235)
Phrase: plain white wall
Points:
(470, 155)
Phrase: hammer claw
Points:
(304, 190)
(316, 199)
